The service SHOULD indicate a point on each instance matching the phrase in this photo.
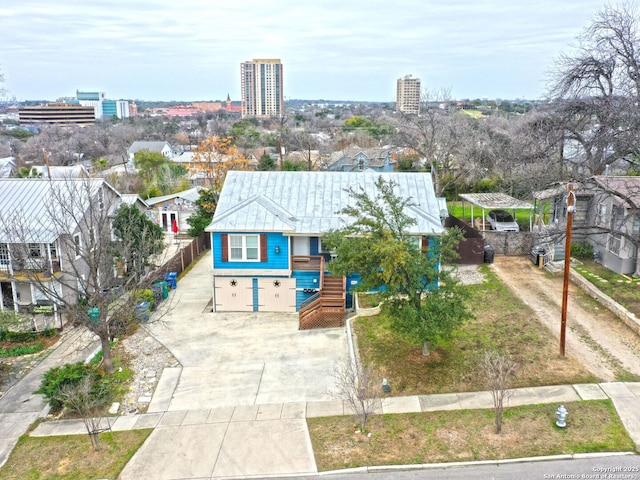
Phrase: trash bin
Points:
(157, 295)
(537, 255)
(489, 253)
(172, 279)
(142, 311)
(164, 288)
(94, 314)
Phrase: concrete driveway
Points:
(233, 359)
(237, 405)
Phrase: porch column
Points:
(14, 294)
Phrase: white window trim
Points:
(244, 248)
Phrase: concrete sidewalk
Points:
(273, 439)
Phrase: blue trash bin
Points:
(172, 279)
(142, 311)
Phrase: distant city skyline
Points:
(334, 50)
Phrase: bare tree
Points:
(498, 370)
(596, 92)
(357, 387)
(87, 398)
(60, 235)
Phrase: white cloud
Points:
(331, 49)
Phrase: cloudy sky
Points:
(331, 49)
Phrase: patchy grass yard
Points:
(466, 435)
(71, 457)
(462, 210)
(502, 322)
(37, 344)
(623, 289)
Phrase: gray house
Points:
(46, 228)
(607, 215)
(358, 159)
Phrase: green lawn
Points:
(467, 435)
(71, 456)
(502, 322)
(623, 289)
(462, 210)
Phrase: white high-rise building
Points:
(408, 95)
(261, 88)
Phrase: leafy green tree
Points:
(292, 166)
(266, 163)
(148, 162)
(426, 303)
(138, 239)
(206, 208)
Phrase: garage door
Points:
(233, 294)
(277, 294)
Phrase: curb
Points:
(434, 466)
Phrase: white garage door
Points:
(277, 294)
(233, 294)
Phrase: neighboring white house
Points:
(164, 148)
(7, 166)
(176, 207)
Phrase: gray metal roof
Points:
(40, 210)
(132, 199)
(152, 146)
(496, 201)
(192, 195)
(306, 203)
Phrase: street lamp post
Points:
(567, 265)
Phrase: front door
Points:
(7, 295)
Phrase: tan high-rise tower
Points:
(408, 95)
(261, 87)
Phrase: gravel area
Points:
(469, 274)
(147, 359)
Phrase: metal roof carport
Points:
(496, 201)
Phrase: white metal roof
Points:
(496, 201)
(191, 194)
(42, 208)
(307, 203)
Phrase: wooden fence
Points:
(185, 256)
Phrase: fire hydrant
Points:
(561, 416)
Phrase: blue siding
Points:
(275, 261)
(305, 279)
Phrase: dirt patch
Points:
(596, 337)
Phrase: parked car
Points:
(502, 221)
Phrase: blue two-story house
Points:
(266, 231)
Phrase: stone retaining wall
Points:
(618, 310)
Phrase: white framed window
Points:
(4, 254)
(601, 219)
(34, 250)
(614, 243)
(244, 248)
(77, 244)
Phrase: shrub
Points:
(144, 295)
(582, 250)
(55, 380)
(22, 350)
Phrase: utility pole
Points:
(567, 265)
